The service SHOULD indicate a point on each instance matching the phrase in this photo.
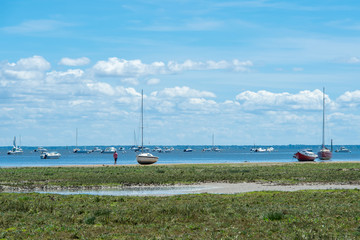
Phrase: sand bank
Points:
(231, 188)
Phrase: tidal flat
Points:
(306, 214)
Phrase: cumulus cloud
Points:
(153, 81)
(201, 105)
(127, 91)
(25, 69)
(121, 67)
(307, 100)
(184, 92)
(101, 87)
(22, 75)
(74, 62)
(71, 73)
(33, 63)
(350, 99)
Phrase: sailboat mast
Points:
(323, 130)
(142, 120)
(76, 137)
(213, 140)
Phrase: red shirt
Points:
(115, 155)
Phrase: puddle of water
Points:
(133, 191)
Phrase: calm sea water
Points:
(229, 154)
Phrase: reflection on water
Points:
(132, 191)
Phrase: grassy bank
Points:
(331, 214)
(290, 173)
(259, 215)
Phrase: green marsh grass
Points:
(292, 173)
(331, 214)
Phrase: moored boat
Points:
(206, 150)
(77, 150)
(324, 153)
(96, 149)
(188, 149)
(305, 155)
(40, 150)
(50, 155)
(144, 158)
(16, 149)
(109, 150)
(342, 149)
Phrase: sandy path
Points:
(229, 188)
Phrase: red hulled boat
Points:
(324, 153)
(305, 155)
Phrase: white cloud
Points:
(350, 99)
(134, 68)
(306, 100)
(74, 62)
(35, 63)
(121, 67)
(80, 102)
(71, 73)
(153, 81)
(184, 92)
(132, 81)
(241, 66)
(127, 91)
(103, 88)
(23, 75)
(31, 68)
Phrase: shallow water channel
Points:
(129, 191)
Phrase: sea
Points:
(228, 154)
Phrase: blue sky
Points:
(251, 72)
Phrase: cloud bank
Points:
(36, 95)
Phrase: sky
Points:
(249, 72)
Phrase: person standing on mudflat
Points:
(115, 157)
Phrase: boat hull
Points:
(50, 156)
(82, 151)
(303, 157)
(325, 154)
(14, 152)
(146, 159)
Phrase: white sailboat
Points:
(16, 149)
(78, 150)
(215, 149)
(144, 158)
(50, 155)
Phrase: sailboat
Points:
(144, 158)
(78, 150)
(324, 153)
(16, 149)
(215, 149)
